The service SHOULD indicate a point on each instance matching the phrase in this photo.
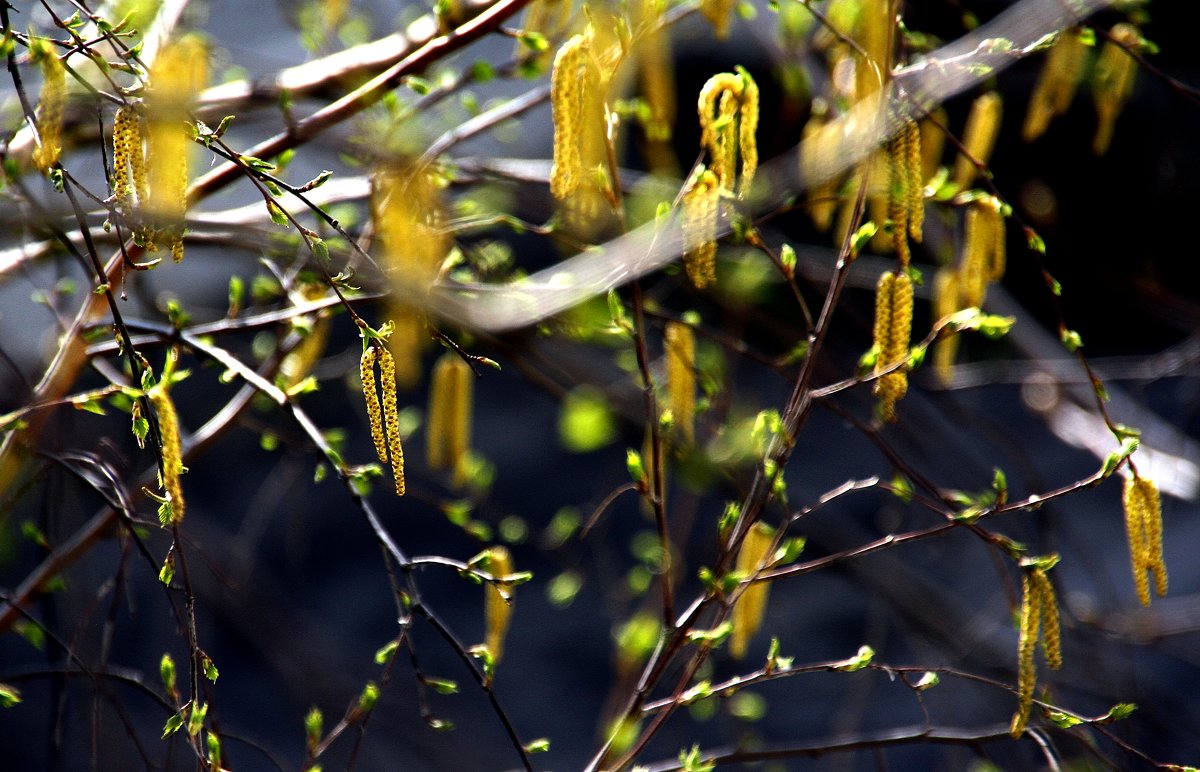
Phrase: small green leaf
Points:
(864, 234)
(441, 685)
(540, 745)
(210, 669)
(715, 637)
(928, 680)
(637, 470)
(386, 652)
(166, 670)
(9, 696)
(314, 726)
(1071, 340)
(173, 725)
(857, 662)
(1063, 720)
(368, 698)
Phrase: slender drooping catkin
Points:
(898, 205)
(391, 417)
(679, 344)
(1112, 82)
(568, 82)
(497, 607)
(945, 302)
(750, 607)
(1051, 630)
(1143, 526)
(719, 14)
(914, 181)
(172, 453)
(979, 138)
(129, 161)
(701, 208)
(655, 71)
(892, 332)
(1026, 643)
(448, 432)
(823, 187)
(1056, 86)
(366, 373)
(51, 102)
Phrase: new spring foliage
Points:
(448, 436)
(749, 609)
(1143, 525)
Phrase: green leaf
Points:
(441, 685)
(562, 589)
(386, 652)
(714, 637)
(929, 680)
(540, 745)
(1063, 720)
(9, 696)
(210, 669)
(637, 470)
(586, 422)
(173, 725)
(314, 726)
(368, 698)
(1071, 340)
(864, 234)
(1118, 712)
(166, 671)
(857, 662)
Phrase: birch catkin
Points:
(51, 102)
(1056, 86)
(701, 208)
(385, 418)
(1031, 616)
(568, 81)
(1143, 526)
(172, 453)
(448, 432)
(728, 112)
(749, 610)
(892, 333)
(497, 609)
(680, 347)
(979, 138)
(1113, 82)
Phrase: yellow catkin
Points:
(914, 181)
(1143, 525)
(172, 454)
(407, 212)
(749, 610)
(51, 102)
(1051, 626)
(823, 195)
(978, 242)
(701, 204)
(876, 21)
(979, 137)
(297, 365)
(679, 343)
(998, 256)
(655, 73)
(497, 605)
(728, 112)
(129, 167)
(933, 143)
(366, 373)
(567, 98)
(1057, 84)
(892, 332)
(719, 13)
(1026, 643)
(897, 196)
(448, 431)
(1112, 82)
(178, 74)
(391, 417)
(656, 468)
(946, 301)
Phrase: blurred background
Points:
(293, 599)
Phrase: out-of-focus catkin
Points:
(655, 71)
(752, 605)
(1112, 82)
(679, 343)
(945, 302)
(497, 607)
(177, 75)
(1057, 84)
(448, 431)
(1051, 630)
(719, 13)
(979, 138)
(51, 102)
(701, 208)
